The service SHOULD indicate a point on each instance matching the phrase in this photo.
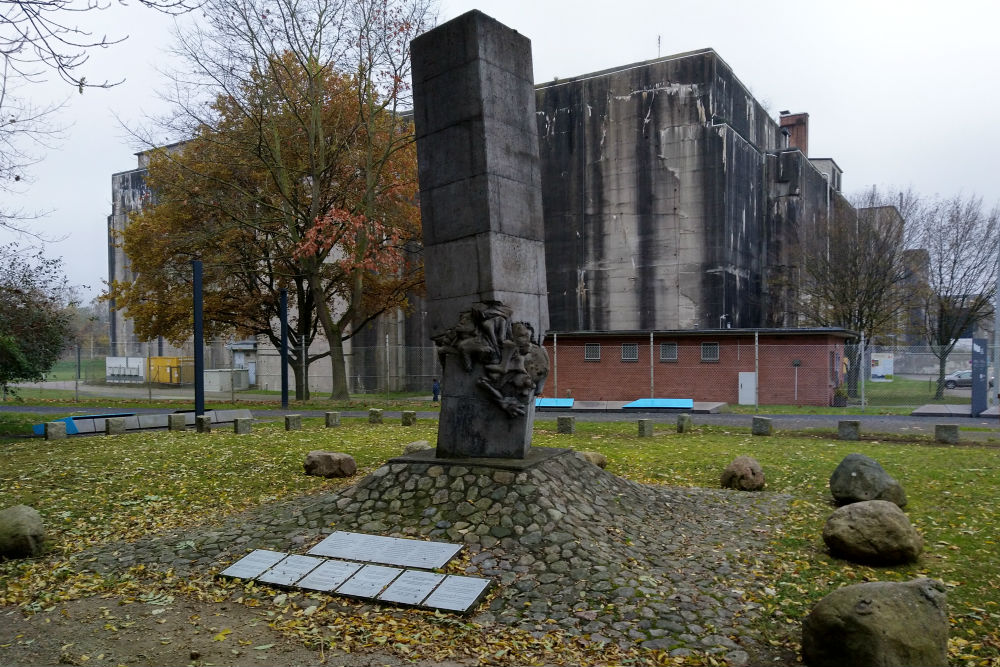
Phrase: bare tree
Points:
(39, 38)
(957, 238)
(854, 276)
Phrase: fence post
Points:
(76, 383)
(232, 375)
(652, 392)
(756, 371)
(863, 368)
(149, 376)
(555, 364)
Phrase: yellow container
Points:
(171, 370)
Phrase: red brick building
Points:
(791, 366)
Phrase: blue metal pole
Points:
(284, 348)
(199, 343)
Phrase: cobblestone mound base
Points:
(572, 546)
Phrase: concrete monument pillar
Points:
(484, 255)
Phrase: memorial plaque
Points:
(290, 570)
(457, 593)
(329, 575)
(411, 587)
(369, 581)
(253, 564)
(386, 550)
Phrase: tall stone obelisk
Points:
(484, 255)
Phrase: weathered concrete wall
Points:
(129, 193)
(653, 196)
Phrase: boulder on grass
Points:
(875, 532)
(598, 459)
(416, 446)
(22, 532)
(879, 623)
(743, 474)
(858, 478)
(330, 464)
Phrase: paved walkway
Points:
(899, 424)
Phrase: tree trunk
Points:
(942, 362)
(338, 370)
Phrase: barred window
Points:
(630, 352)
(592, 352)
(668, 351)
(709, 351)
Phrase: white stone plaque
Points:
(289, 570)
(386, 550)
(329, 575)
(369, 581)
(457, 593)
(411, 587)
(253, 564)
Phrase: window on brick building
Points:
(630, 352)
(709, 351)
(592, 352)
(668, 351)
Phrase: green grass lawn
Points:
(99, 489)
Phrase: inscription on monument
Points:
(369, 581)
(386, 550)
(253, 564)
(373, 582)
(411, 587)
(329, 575)
(289, 570)
(457, 593)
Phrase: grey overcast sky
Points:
(899, 93)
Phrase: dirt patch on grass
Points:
(107, 631)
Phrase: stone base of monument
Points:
(567, 544)
(533, 457)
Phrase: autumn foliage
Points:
(313, 192)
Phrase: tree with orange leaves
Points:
(301, 173)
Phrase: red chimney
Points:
(797, 125)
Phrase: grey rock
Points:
(859, 477)
(879, 623)
(762, 426)
(743, 474)
(22, 532)
(416, 446)
(320, 463)
(598, 459)
(873, 531)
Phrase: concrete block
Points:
(332, 419)
(374, 415)
(645, 428)
(114, 426)
(684, 423)
(55, 430)
(203, 423)
(946, 433)
(293, 422)
(176, 422)
(566, 425)
(762, 426)
(242, 425)
(409, 418)
(849, 429)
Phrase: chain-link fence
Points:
(732, 370)
(737, 371)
